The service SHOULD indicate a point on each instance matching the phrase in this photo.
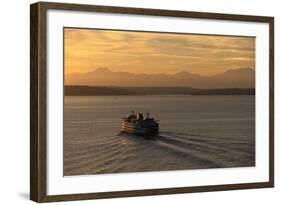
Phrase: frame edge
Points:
(153, 12)
(37, 103)
(34, 187)
(271, 101)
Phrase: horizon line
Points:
(106, 68)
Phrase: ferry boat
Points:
(140, 125)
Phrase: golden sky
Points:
(144, 52)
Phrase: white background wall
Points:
(14, 103)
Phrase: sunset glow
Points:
(145, 52)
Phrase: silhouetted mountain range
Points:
(236, 78)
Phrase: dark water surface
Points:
(196, 132)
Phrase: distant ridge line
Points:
(233, 78)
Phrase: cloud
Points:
(147, 52)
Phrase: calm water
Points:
(196, 132)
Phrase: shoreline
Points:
(143, 91)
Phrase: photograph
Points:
(149, 101)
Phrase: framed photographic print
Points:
(134, 102)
